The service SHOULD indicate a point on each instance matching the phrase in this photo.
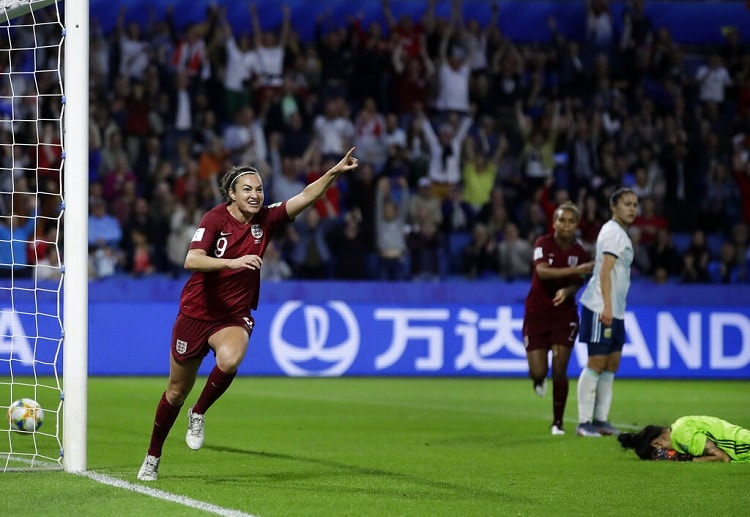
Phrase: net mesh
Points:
(31, 210)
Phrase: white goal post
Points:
(44, 139)
(75, 195)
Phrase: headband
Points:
(251, 171)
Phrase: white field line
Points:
(164, 496)
(141, 489)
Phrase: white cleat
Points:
(557, 431)
(195, 434)
(150, 469)
(541, 389)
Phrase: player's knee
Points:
(559, 373)
(229, 360)
(176, 395)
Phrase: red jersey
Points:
(216, 295)
(542, 292)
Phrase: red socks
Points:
(216, 385)
(166, 414)
(559, 398)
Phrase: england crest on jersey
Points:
(572, 261)
(256, 231)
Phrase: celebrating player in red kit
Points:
(551, 317)
(225, 257)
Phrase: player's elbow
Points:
(192, 260)
(188, 264)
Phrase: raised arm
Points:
(428, 20)
(524, 122)
(388, 14)
(285, 25)
(255, 21)
(494, 16)
(317, 188)
(463, 128)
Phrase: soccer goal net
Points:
(32, 214)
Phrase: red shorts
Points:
(190, 336)
(542, 333)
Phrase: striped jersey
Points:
(689, 434)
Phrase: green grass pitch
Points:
(391, 447)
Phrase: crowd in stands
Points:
(467, 141)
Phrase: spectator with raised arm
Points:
(391, 213)
(453, 72)
(240, 68)
(134, 50)
(539, 143)
(445, 151)
(269, 50)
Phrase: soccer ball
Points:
(25, 415)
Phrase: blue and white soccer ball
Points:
(25, 415)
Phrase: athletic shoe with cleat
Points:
(557, 430)
(150, 469)
(605, 428)
(194, 436)
(588, 430)
(540, 388)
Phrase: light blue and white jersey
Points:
(612, 240)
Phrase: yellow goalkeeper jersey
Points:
(689, 435)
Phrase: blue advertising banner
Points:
(305, 330)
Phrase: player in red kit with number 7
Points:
(225, 257)
(550, 321)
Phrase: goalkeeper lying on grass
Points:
(691, 438)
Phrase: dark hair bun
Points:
(627, 440)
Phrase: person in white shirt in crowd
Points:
(453, 74)
(713, 79)
(246, 141)
(445, 151)
(241, 66)
(395, 136)
(369, 134)
(134, 52)
(286, 179)
(269, 49)
(333, 129)
(599, 29)
(475, 38)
